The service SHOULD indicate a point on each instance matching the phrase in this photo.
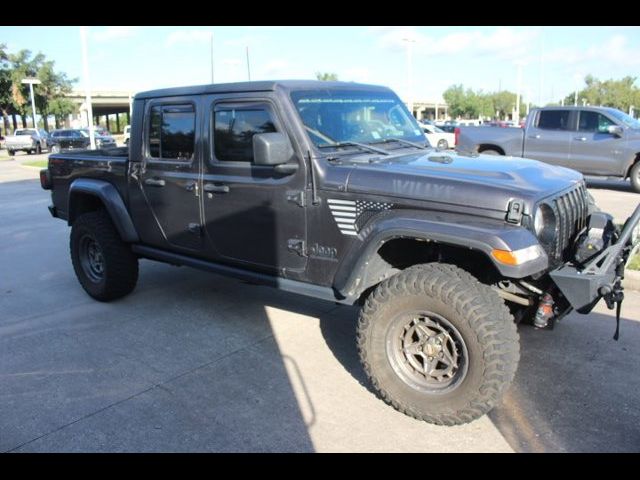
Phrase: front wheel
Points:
(38, 149)
(11, 153)
(105, 266)
(634, 176)
(437, 344)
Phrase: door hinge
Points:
(195, 228)
(297, 246)
(296, 197)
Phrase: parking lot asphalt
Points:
(193, 361)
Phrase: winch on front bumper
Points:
(587, 279)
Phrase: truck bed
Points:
(105, 164)
(509, 140)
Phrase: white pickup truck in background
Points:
(29, 140)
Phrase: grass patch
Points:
(36, 163)
(634, 264)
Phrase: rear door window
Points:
(172, 132)
(554, 120)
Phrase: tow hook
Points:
(545, 312)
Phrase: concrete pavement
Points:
(196, 362)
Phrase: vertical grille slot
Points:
(571, 215)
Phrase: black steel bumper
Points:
(601, 277)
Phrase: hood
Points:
(482, 181)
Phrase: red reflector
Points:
(456, 132)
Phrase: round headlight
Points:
(545, 224)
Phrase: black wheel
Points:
(490, 152)
(29, 152)
(55, 149)
(104, 264)
(443, 144)
(437, 344)
(11, 153)
(634, 176)
(38, 149)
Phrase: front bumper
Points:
(601, 277)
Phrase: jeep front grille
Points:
(571, 211)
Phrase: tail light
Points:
(456, 133)
(45, 179)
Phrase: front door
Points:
(253, 214)
(169, 177)
(549, 137)
(594, 150)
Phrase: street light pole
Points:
(87, 85)
(410, 43)
(248, 67)
(31, 82)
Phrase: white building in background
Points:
(436, 110)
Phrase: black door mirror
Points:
(271, 149)
(615, 130)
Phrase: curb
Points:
(631, 280)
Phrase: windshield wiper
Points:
(405, 142)
(363, 146)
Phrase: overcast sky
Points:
(141, 58)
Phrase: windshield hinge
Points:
(515, 212)
(296, 197)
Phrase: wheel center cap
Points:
(432, 347)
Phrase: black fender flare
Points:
(112, 201)
(450, 229)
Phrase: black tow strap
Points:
(618, 308)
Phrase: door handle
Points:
(154, 182)
(534, 136)
(581, 139)
(210, 187)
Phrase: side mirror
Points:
(615, 130)
(271, 149)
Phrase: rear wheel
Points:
(490, 152)
(104, 264)
(437, 344)
(634, 176)
(443, 144)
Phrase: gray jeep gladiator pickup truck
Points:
(596, 141)
(328, 189)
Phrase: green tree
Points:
(6, 103)
(503, 103)
(471, 104)
(326, 76)
(620, 94)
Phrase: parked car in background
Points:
(127, 134)
(29, 140)
(598, 141)
(77, 139)
(437, 137)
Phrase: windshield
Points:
(341, 116)
(624, 118)
(25, 132)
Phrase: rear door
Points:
(169, 177)
(253, 214)
(549, 137)
(594, 150)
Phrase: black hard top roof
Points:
(260, 86)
